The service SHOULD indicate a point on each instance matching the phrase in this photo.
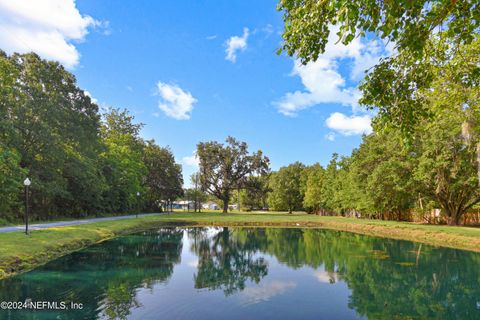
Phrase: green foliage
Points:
(10, 181)
(164, 179)
(286, 185)
(123, 161)
(426, 88)
(52, 131)
(447, 172)
(255, 193)
(383, 170)
(408, 24)
(224, 168)
(314, 200)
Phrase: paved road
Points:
(70, 223)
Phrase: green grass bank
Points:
(19, 253)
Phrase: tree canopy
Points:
(224, 168)
(80, 162)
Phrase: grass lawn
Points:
(19, 252)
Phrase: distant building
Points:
(183, 204)
(210, 205)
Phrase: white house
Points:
(210, 205)
(183, 204)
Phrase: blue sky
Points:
(202, 70)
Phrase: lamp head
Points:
(27, 182)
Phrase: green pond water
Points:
(246, 273)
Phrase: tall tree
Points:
(224, 168)
(124, 168)
(314, 200)
(163, 179)
(54, 127)
(286, 188)
(446, 171)
(381, 171)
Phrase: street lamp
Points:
(138, 203)
(26, 183)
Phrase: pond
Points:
(252, 273)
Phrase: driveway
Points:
(71, 223)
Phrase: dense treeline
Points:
(80, 161)
(385, 179)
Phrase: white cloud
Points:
(235, 44)
(323, 84)
(330, 136)
(212, 37)
(322, 79)
(191, 160)
(174, 101)
(349, 125)
(267, 290)
(46, 27)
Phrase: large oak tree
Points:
(226, 167)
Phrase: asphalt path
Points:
(41, 226)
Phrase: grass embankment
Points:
(20, 253)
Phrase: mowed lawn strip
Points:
(19, 253)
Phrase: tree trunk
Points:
(225, 205)
(453, 216)
(453, 221)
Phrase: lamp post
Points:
(138, 204)
(26, 183)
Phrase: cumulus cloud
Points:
(191, 160)
(235, 44)
(322, 80)
(48, 27)
(349, 125)
(174, 101)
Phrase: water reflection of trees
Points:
(387, 278)
(105, 278)
(226, 262)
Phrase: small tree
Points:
(195, 193)
(224, 168)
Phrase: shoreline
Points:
(19, 253)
